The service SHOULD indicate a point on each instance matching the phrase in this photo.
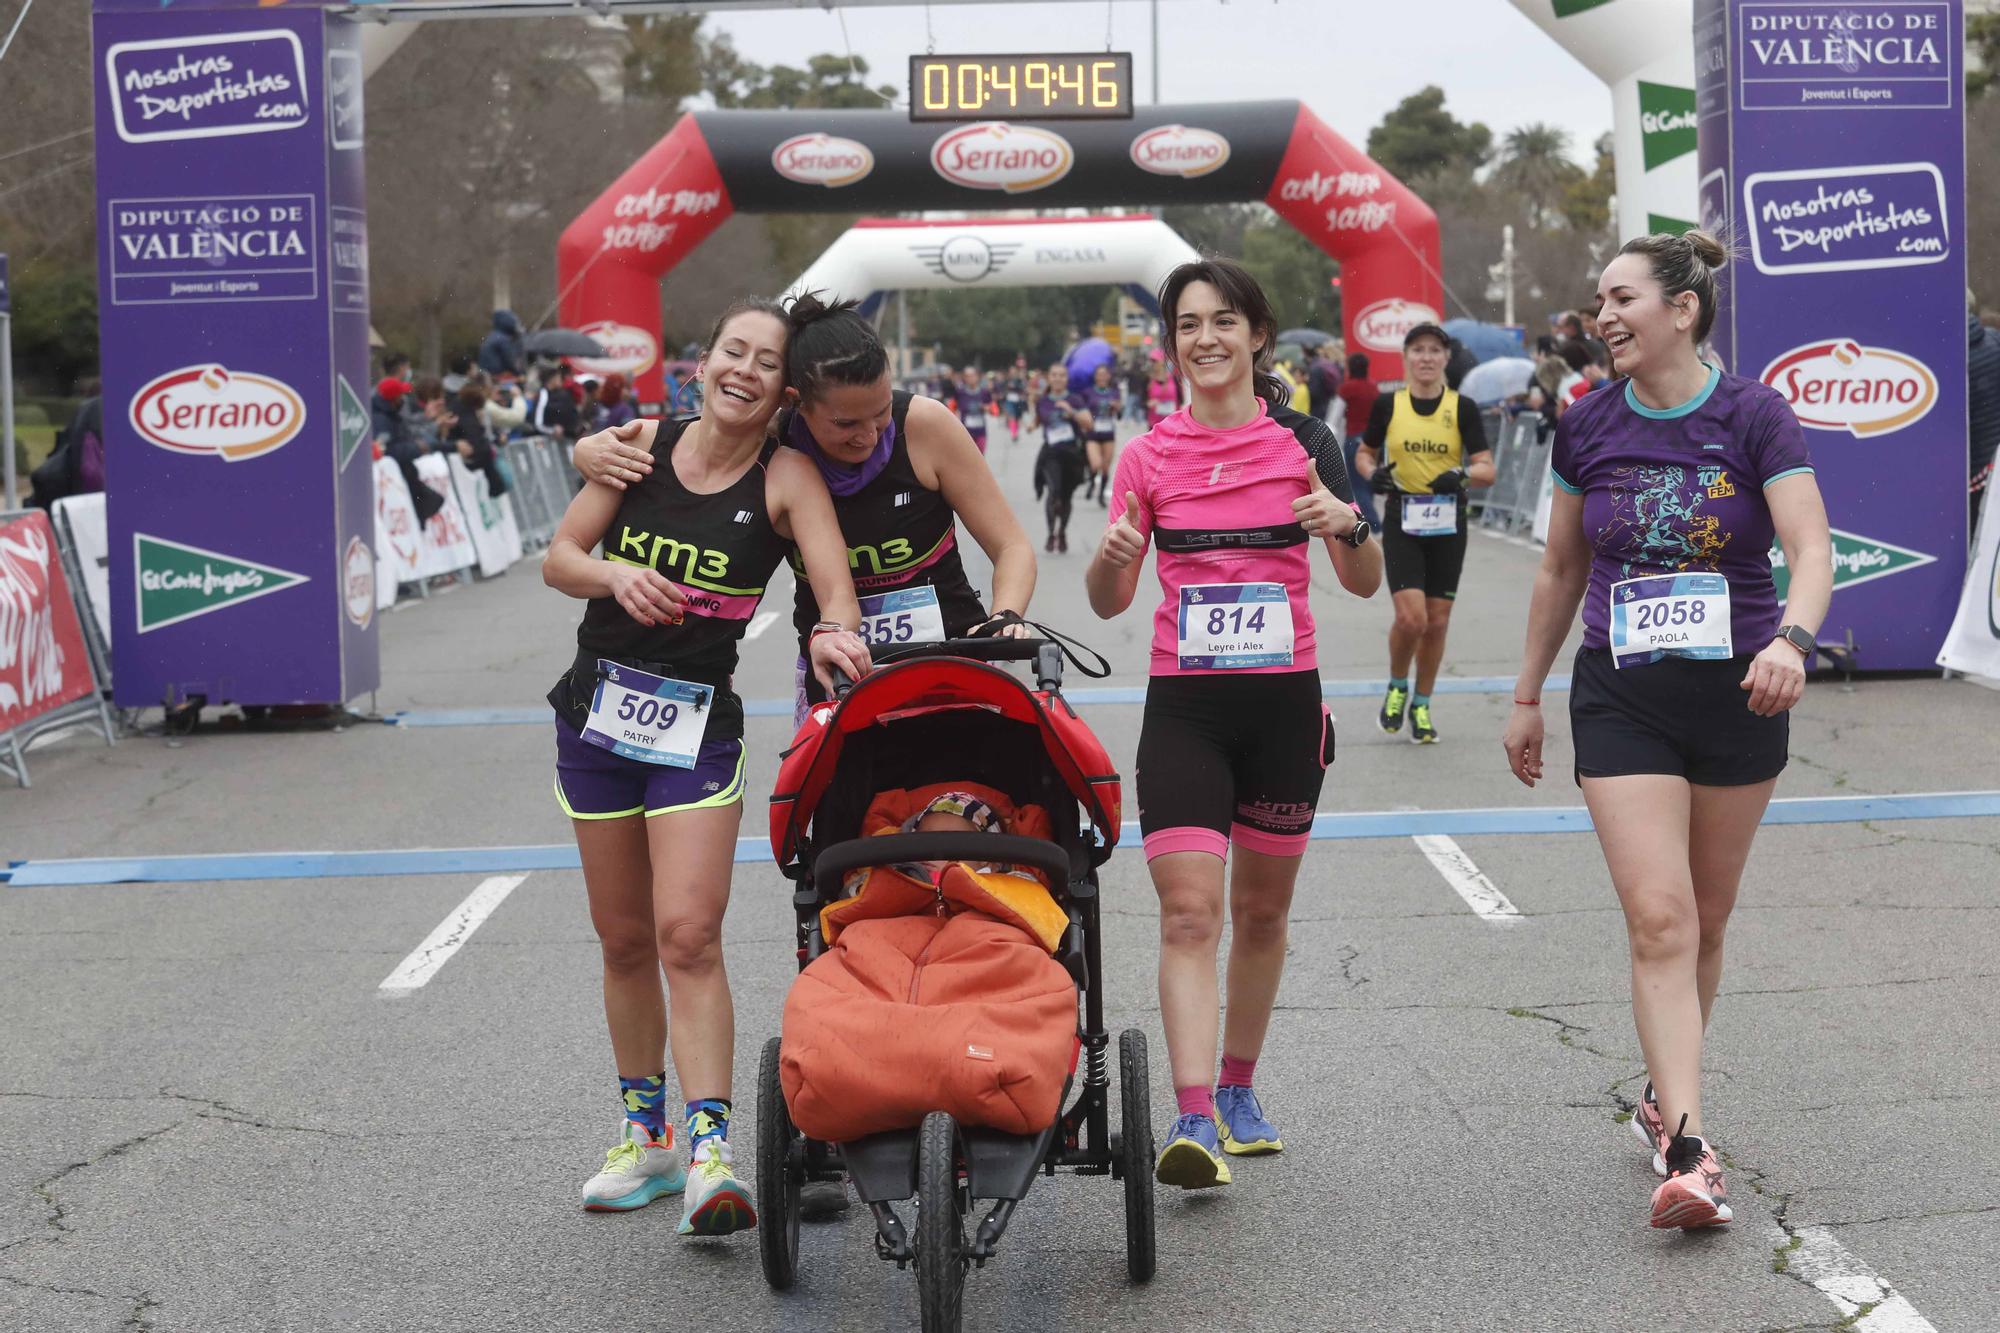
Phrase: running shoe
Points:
(717, 1202)
(1062, 543)
(1693, 1194)
(1421, 730)
(636, 1172)
(1245, 1131)
(1651, 1127)
(1192, 1158)
(1394, 706)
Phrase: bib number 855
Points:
(648, 712)
(1669, 612)
(898, 628)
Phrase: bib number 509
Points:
(648, 712)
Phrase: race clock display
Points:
(1026, 87)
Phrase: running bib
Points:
(975, 420)
(1058, 432)
(1682, 615)
(1430, 515)
(1227, 626)
(909, 615)
(653, 719)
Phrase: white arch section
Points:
(880, 255)
(1643, 49)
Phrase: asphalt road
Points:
(212, 1118)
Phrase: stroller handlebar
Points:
(831, 866)
(1045, 653)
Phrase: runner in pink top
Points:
(1233, 490)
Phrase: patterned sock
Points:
(1196, 1101)
(1235, 1073)
(707, 1118)
(646, 1101)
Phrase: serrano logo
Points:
(209, 410)
(994, 155)
(1382, 326)
(1840, 385)
(1179, 150)
(822, 159)
(628, 350)
(358, 582)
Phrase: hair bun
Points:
(1707, 248)
(809, 307)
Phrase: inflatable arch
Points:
(713, 163)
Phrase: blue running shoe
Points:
(1192, 1158)
(1245, 1131)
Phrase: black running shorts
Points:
(1431, 565)
(1678, 716)
(1232, 758)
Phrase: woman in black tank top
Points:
(649, 738)
(903, 473)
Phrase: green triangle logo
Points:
(1666, 122)
(1856, 559)
(351, 420)
(178, 582)
(1571, 8)
(1657, 222)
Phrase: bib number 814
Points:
(1232, 620)
(648, 712)
(1669, 612)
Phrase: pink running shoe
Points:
(1651, 1127)
(1693, 1194)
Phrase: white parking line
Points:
(1469, 881)
(761, 623)
(452, 932)
(1849, 1283)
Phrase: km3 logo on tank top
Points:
(1422, 448)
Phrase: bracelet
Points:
(1528, 703)
(826, 627)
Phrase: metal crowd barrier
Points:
(1520, 458)
(544, 481)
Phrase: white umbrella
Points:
(1491, 381)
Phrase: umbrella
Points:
(561, 342)
(1306, 337)
(1086, 357)
(1288, 352)
(1485, 341)
(1490, 381)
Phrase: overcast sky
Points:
(1349, 60)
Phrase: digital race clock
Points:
(1071, 87)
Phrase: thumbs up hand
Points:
(1123, 543)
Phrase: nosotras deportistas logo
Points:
(177, 582)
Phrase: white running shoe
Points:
(717, 1202)
(636, 1172)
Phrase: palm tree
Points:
(1535, 164)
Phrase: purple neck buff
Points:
(842, 479)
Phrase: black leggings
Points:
(1059, 470)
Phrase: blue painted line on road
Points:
(562, 856)
(539, 716)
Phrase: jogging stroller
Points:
(926, 715)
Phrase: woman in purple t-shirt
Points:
(1670, 487)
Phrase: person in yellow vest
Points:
(1423, 450)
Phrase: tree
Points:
(990, 326)
(1586, 201)
(1534, 165)
(1295, 274)
(1982, 51)
(1420, 137)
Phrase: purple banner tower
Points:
(233, 308)
(1832, 148)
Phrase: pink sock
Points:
(1196, 1101)
(1235, 1073)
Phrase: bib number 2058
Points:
(1678, 615)
(654, 719)
(1229, 626)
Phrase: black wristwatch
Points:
(1357, 536)
(1799, 639)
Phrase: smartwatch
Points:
(1799, 639)
(1357, 536)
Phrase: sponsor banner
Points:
(212, 412)
(1856, 559)
(1383, 326)
(399, 544)
(352, 424)
(1839, 385)
(447, 536)
(628, 350)
(175, 581)
(966, 258)
(496, 538)
(344, 119)
(43, 661)
(195, 249)
(348, 230)
(207, 87)
(1180, 150)
(1847, 219)
(822, 159)
(1666, 122)
(993, 155)
(1973, 645)
(1891, 54)
(90, 539)
(357, 582)
(647, 220)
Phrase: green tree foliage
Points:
(55, 320)
(665, 59)
(1420, 137)
(1982, 50)
(1586, 201)
(1294, 273)
(1534, 165)
(989, 327)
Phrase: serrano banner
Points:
(713, 163)
(1832, 148)
(233, 311)
(43, 662)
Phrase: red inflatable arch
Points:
(714, 163)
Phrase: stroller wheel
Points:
(941, 1252)
(1135, 1150)
(777, 1176)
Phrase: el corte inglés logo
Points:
(209, 410)
(1666, 122)
(1179, 150)
(1383, 326)
(1838, 384)
(994, 155)
(177, 582)
(822, 159)
(1856, 559)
